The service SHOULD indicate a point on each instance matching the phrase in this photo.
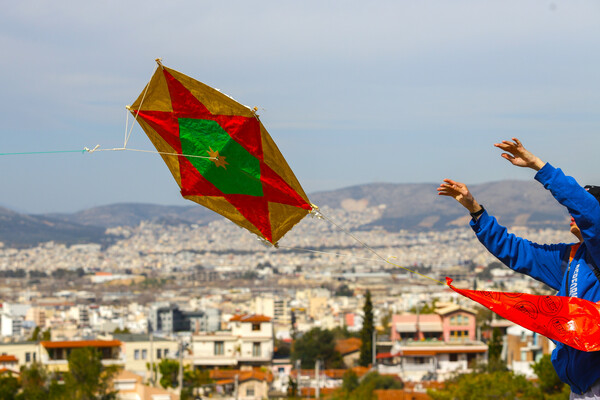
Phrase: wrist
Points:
(476, 214)
(474, 207)
(538, 164)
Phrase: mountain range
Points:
(405, 206)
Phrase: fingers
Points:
(452, 188)
(507, 156)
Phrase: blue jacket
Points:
(549, 263)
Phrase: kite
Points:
(220, 154)
(570, 320)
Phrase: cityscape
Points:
(233, 303)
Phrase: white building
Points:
(248, 342)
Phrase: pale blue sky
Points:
(352, 92)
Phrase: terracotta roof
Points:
(310, 391)
(433, 352)
(67, 344)
(399, 394)
(250, 318)
(8, 358)
(225, 376)
(8, 371)
(347, 346)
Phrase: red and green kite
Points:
(220, 154)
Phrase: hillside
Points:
(406, 206)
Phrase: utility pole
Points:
(180, 365)
(374, 348)
(298, 373)
(317, 375)
(152, 372)
(235, 389)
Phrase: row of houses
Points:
(241, 358)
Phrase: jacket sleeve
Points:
(540, 261)
(582, 206)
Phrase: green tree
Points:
(169, 373)
(34, 383)
(35, 335)
(386, 321)
(495, 362)
(350, 381)
(492, 385)
(194, 378)
(87, 378)
(46, 335)
(9, 386)
(549, 382)
(427, 308)
(292, 391)
(316, 344)
(352, 390)
(366, 333)
(344, 291)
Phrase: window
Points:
(165, 353)
(158, 354)
(144, 354)
(256, 327)
(136, 354)
(453, 357)
(34, 356)
(219, 348)
(250, 391)
(27, 357)
(256, 349)
(459, 334)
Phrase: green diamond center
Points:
(241, 175)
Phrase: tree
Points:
(495, 362)
(169, 373)
(194, 378)
(35, 335)
(9, 386)
(352, 390)
(87, 378)
(350, 381)
(494, 385)
(316, 344)
(366, 333)
(34, 383)
(549, 382)
(386, 320)
(47, 335)
(344, 291)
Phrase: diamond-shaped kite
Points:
(220, 154)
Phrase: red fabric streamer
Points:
(572, 321)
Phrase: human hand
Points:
(518, 155)
(460, 193)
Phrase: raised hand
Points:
(518, 155)
(460, 193)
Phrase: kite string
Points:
(128, 134)
(319, 214)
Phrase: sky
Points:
(352, 92)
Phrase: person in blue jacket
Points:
(571, 269)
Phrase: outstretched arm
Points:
(518, 155)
